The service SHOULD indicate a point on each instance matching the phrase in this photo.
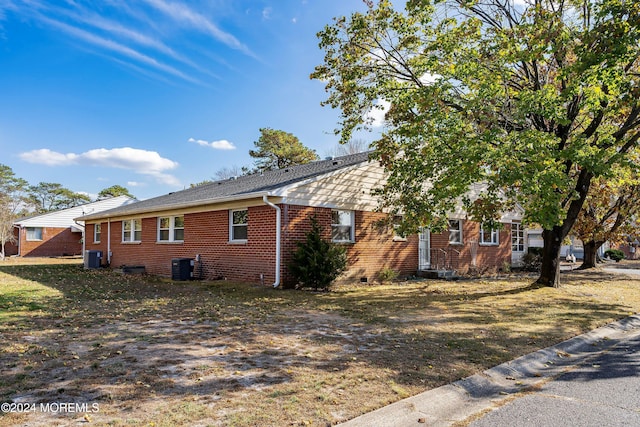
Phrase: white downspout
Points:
(109, 241)
(278, 238)
(19, 227)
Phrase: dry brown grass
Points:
(154, 352)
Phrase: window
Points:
(132, 230)
(238, 225)
(97, 232)
(34, 233)
(455, 231)
(397, 221)
(488, 237)
(171, 229)
(342, 226)
(517, 237)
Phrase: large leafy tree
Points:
(277, 149)
(13, 201)
(49, 196)
(610, 213)
(532, 98)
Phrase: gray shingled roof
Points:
(249, 184)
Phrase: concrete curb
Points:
(457, 401)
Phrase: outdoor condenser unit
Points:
(182, 268)
(92, 259)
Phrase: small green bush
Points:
(614, 254)
(531, 261)
(317, 262)
(387, 274)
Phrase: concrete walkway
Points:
(502, 384)
(627, 271)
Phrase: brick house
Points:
(56, 233)
(246, 228)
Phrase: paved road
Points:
(589, 380)
(601, 391)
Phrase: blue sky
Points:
(155, 95)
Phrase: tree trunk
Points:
(550, 269)
(590, 254)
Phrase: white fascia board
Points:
(175, 206)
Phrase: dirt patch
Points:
(148, 351)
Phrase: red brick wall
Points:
(55, 242)
(373, 250)
(206, 234)
(487, 256)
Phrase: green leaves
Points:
(277, 149)
(316, 262)
(534, 100)
(523, 98)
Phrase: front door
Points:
(517, 243)
(424, 249)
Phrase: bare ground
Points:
(148, 351)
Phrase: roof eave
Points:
(173, 206)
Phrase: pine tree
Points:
(317, 262)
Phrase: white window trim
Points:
(494, 236)
(231, 225)
(172, 228)
(352, 226)
(396, 236)
(95, 233)
(34, 228)
(454, 242)
(133, 230)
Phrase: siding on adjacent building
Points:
(61, 234)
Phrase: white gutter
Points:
(19, 227)
(108, 241)
(278, 238)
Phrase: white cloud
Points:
(266, 13)
(221, 144)
(44, 156)
(135, 184)
(117, 48)
(141, 161)
(182, 13)
(375, 117)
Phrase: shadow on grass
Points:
(117, 338)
